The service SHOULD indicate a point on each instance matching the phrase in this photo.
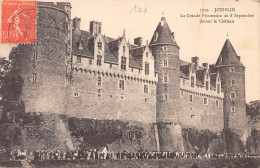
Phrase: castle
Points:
(86, 74)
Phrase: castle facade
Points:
(86, 74)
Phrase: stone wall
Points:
(199, 115)
(108, 101)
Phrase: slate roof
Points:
(137, 54)
(164, 34)
(227, 55)
(82, 37)
(110, 46)
(184, 71)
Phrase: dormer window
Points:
(207, 85)
(146, 68)
(218, 88)
(99, 57)
(192, 81)
(78, 59)
(232, 69)
(165, 48)
(99, 45)
(155, 36)
(81, 45)
(123, 63)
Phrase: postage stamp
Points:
(18, 22)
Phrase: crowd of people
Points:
(94, 155)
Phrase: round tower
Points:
(166, 52)
(44, 65)
(232, 73)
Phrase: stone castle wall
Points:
(199, 115)
(108, 101)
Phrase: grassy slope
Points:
(187, 163)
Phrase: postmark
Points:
(18, 22)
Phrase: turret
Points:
(166, 53)
(232, 73)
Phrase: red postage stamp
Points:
(18, 22)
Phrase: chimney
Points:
(95, 28)
(205, 65)
(76, 24)
(195, 60)
(138, 41)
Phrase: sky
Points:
(205, 40)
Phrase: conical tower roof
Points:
(163, 34)
(228, 55)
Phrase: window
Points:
(190, 98)
(192, 81)
(181, 92)
(90, 61)
(165, 63)
(183, 82)
(232, 95)
(123, 63)
(99, 45)
(218, 88)
(205, 100)
(76, 94)
(232, 82)
(156, 36)
(99, 92)
(111, 65)
(165, 48)
(165, 88)
(34, 77)
(146, 68)
(165, 96)
(123, 49)
(147, 54)
(165, 79)
(35, 55)
(217, 103)
(80, 45)
(207, 85)
(232, 69)
(37, 43)
(145, 88)
(232, 109)
(99, 81)
(78, 59)
(99, 57)
(122, 84)
(232, 103)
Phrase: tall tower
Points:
(46, 66)
(166, 52)
(232, 73)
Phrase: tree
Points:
(253, 109)
(13, 111)
(10, 88)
